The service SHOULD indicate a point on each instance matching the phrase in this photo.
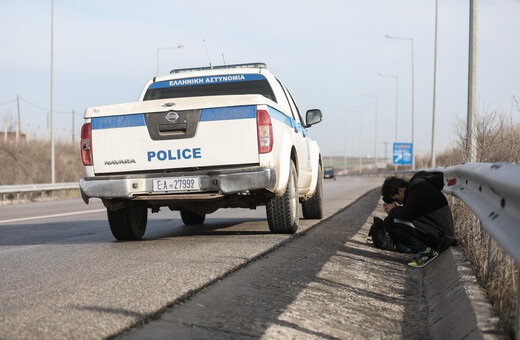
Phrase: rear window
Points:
(211, 86)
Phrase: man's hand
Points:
(388, 206)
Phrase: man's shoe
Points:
(423, 258)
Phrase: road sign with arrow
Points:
(402, 154)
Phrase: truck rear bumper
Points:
(224, 182)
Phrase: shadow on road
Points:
(88, 232)
(326, 284)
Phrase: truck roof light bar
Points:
(250, 65)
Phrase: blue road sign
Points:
(402, 154)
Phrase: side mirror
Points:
(313, 117)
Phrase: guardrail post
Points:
(492, 254)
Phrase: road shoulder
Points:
(330, 283)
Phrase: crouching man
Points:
(419, 218)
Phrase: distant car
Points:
(328, 172)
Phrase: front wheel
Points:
(128, 223)
(313, 207)
(282, 211)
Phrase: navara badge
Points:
(172, 116)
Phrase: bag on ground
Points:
(380, 237)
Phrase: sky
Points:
(327, 53)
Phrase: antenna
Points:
(206, 47)
(223, 59)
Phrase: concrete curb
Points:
(452, 291)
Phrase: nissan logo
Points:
(172, 116)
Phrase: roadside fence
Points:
(492, 192)
(41, 189)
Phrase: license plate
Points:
(176, 184)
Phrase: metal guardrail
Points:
(42, 188)
(492, 192)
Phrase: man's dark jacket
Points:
(427, 208)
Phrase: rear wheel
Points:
(128, 223)
(282, 211)
(192, 218)
(313, 207)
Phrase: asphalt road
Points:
(64, 275)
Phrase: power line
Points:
(33, 105)
(9, 102)
(40, 107)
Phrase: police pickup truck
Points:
(201, 139)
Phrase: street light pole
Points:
(471, 128)
(19, 125)
(53, 167)
(413, 96)
(345, 148)
(396, 101)
(376, 128)
(432, 160)
(165, 48)
(360, 128)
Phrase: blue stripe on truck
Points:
(227, 113)
(223, 113)
(118, 121)
(289, 121)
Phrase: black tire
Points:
(283, 211)
(313, 207)
(191, 218)
(128, 223)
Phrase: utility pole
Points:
(386, 147)
(73, 127)
(345, 148)
(375, 128)
(432, 160)
(18, 127)
(165, 48)
(471, 125)
(53, 169)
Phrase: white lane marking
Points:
(51, 216)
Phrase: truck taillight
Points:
(86, 144)
(265, 131)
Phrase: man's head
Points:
(393, 190)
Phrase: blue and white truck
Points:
(201, 139)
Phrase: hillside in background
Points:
(29, 162)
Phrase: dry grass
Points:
(30, 162)
(499, 277)
(498, 140)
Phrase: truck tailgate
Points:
(173, 139)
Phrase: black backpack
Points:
(380, 237)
